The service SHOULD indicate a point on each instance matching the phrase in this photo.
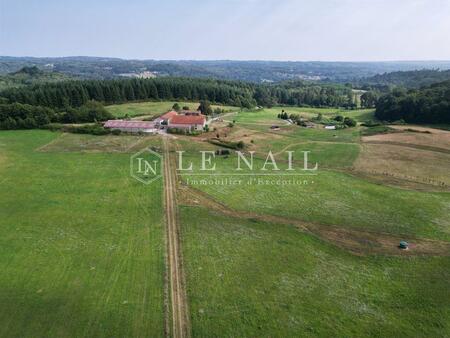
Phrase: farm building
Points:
(163, 119)
(131, 126)
(191, 113)
(188, 122)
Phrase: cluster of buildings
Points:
(187, 121)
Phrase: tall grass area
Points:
(252, 279)
(82, 250)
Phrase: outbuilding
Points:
(188, 122)
(131, 126)
(164, 119)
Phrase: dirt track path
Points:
(177, 293)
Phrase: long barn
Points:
(131, 126)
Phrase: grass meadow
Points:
(252, 279)
(82, 249)
(269, 115)
(330, 197)
(249, 278)
(153, 108)
(82, 246)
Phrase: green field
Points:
(82, 247)
(152, 108)
(332, 197)
(268, 115)
(253, 279)
(82, 250)
(249, 278)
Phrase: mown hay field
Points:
(82, 245)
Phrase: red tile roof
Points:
(168, 115)
(187, 119)
(129, 124)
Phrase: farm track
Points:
(178, 300)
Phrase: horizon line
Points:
(225, 60)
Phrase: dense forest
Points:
(25, 116)
(66, 98)
(426, 105)
(241, 94)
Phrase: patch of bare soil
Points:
(356, 241)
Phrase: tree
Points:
(205, 107)
(349, 122)
(369, 99)
(176, 107)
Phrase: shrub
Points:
(349, 122)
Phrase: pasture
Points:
(247, 277)
(153, 108)
(251, 278)
(337, 195)
(82, 249)
(269, 115)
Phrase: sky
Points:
(295, 30)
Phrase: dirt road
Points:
(178, 304)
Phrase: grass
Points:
(269, 115)
(336, 198)
(81, 251)
(153, 108)
(333, 197)
(251, 279)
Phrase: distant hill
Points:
(30, 75)
(252, 71)
(409, 79)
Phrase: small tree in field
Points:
(176, 107)
(349, 122)
(205, 107)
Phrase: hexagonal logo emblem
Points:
(146, 166)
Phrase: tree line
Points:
(77, 93)
(426, 105)
(25, 116)
(68, 101)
